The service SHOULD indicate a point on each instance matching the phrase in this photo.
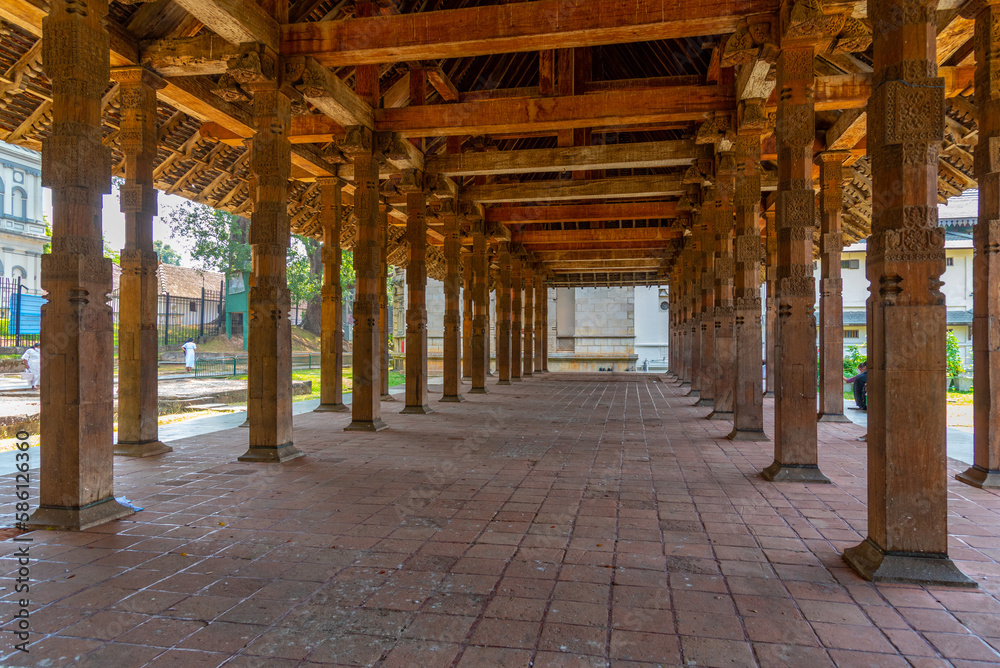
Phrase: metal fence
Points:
(208, 367)
(181, 318)
(20, 314)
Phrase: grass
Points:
(395, 378)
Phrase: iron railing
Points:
(181, 318)
(236, 365)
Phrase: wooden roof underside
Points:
(646, 75)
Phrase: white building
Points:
(22, 231)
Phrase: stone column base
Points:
(273, 454)
(386, 397)
(778, 472)
(526, 374)
(692, 393)
(875, 565)
(78, 519)
(332, 408)
(516, 380)
(980, 477)
(756, 435)
(416, 410)
(452, 399)
(720, 415)
(479, 390)
(704, 402)
(141, 449)
(503, 382)
(769, 394)
(685, 383)
(831, 417)
(366, 425)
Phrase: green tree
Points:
(114, 254)
(167, 254)
(305, 279)
(953, 356)
(216, 240)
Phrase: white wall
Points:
(651, 324)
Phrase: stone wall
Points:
(603, 330)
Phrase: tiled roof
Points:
(178, 281)
(955, 317)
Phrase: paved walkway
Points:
(569, 520)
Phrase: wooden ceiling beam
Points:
(604, 265)
(685, 103)
(503, 28)
(608, 156)
(565, 213)
(645, 237)
(548, 191)
(602, 255)
(236, 21)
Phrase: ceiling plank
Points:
(507, 28)
(638, 237)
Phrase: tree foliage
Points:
(852, 360)
(953, 356)
(167, 254)
(216, 240)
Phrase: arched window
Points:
(19, 196)
(18, 272)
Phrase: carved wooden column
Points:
(366, 411)
(795, 457)
(907, 476)
(385, 354)
(269, 347)
(539, 320)
(705, 289)
(331, 383)
(416, 307)
(515, 324)
(481, 304)
(694, 323)
(684, 331)
(466, 314)
(748, 404)
(831, 301)
(529, 326)
(546, 326)
(725, 312)
(452, 344)
(76, 490)
(985, 471)
(771, 305)
(504, 316)
(137, 343)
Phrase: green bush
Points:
(953, 357)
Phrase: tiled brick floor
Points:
(568, 520)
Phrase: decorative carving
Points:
(855, 37)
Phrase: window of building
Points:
(949, 261)
(18, 272)
(852, 334)
(850, 264)
(2, 197)
(193, 306)
(19, 203)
